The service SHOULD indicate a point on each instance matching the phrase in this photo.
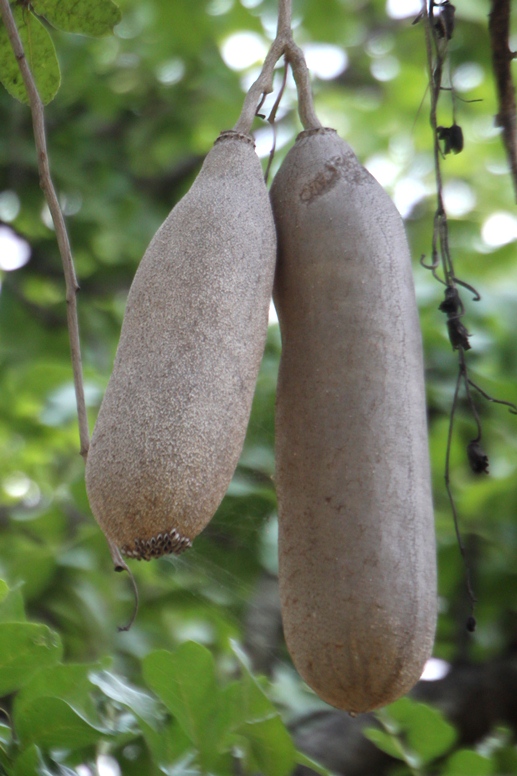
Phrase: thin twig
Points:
(435, 81)
(477, 295)
(472, 597)
(119, 564)
(296, 59)
(285, 12)
(472, 406)
(436, 59)
(502, 56)
(283, 44)
(511, 406)
(271, 120)
(38, 122)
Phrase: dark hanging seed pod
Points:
(478, 459)
(445, 21)
(452, 138)
(452, 303)
(458, 334)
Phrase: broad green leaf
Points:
(271, 745)
(308, 762)
(25, 648)
(39, 52)
(4, 591)
(53, 723)
(466, 761)
(5, 761)
(505, 760)
(12, 608)
(120, 690)
(385, 742)
(29, 762)
(68, 682)
(168, 745)
(230, 714)
(6, 734)
(185, 681)
(6, 741)
(87, 17)
(426, 732)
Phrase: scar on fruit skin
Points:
(337, 167)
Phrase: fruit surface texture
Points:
(173, 420)
(357, 559)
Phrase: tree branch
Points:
(38, 123)
(282, 45)
(499, 30)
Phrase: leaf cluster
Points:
(84, 17)
(183, 720)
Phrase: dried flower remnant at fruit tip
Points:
(167, 543)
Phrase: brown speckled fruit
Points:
(172, 422)
(356, 543)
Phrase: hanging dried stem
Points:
(441, 257)
(46, 183)
(511, 406)
(502, 56)
(119, 564)
(282, 45)
(38, 122)
(461, 545)
(437, 33)
(271, 120)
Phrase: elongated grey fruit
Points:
(172, 422)
(356, 544)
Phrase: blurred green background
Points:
(127, 132)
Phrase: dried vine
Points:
(49, 190)
(63, 241)
(439, 18)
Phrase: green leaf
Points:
(6, 734)
(6, 747)
(169, 745)
(25, 648)
(426, 732)
(505, 759)
(385, 742)
(271, 746)
(185, 682)
(86, 17)
(119, 689)
(51, 722)
(12, 607)
(4, 591)
(308, 762)
(39, 52)
(29, 761)
(467, 761)
(68, 682)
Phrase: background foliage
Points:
(133, 118)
